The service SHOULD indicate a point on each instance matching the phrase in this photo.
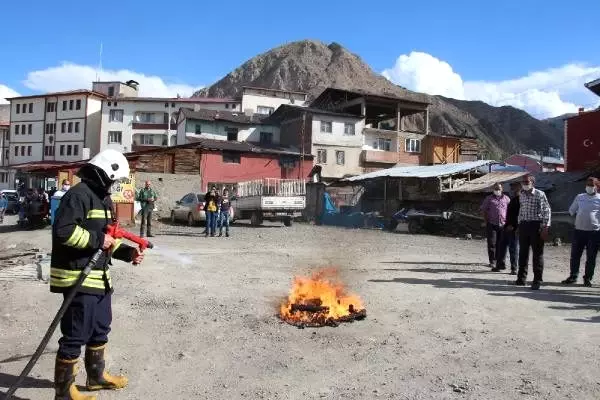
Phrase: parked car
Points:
(190, 209)
(13, 201)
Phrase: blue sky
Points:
(185, 44)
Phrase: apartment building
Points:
(265, 101)
(130, 122)
(60, 126)
(6, 174)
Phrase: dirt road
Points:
(439, 326)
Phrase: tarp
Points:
(487, 181)
(421, 171)
(330, 215)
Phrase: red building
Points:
(535, 163)
(582, 137)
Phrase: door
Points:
(232, 134)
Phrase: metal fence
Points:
(271, 187)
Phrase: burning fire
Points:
(320, 300)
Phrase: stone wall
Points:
(170, 188)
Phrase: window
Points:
(383, 144)
(115, 137)
(30, 108)
(29, 150)
(64, 105)
(50, 129)
(226, 105)
(413, 145)
(22, 151)
(230, 157)
(18, 108)
(48, 150)
(326, 127)
(76, 150)
(173, 105)
(146, 139)
(16, 150)
(111, 91)
(51, 107)
(62, 149)
(23, 129)
(78, 104)
(264, 110)
(76, 127)
(266, 137)
(71, 104)
(29, 129)
(115, 104)
(70, 129)
(63, 127)
(147, 118)
(322, 156)
(348, 129)
(115, 116)
(340, 157)
(109, 103)
(69, 149)
(232, 134)
(198, 129)
(16, 129)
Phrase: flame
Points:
(323, 289)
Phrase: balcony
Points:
(151, 126)
(380, 157)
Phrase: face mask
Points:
(497, 192)
(527, 187)
(590, 189)
(66, 187)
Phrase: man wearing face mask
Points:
(510, 239)
(586, 208)
(78, 232)
(66, 185)
(534, 224)
(494, 209)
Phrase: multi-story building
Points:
(224, 125)
(130, 122)
(266, 101)
(61, 126)
(6, 174)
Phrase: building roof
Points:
(288, 110)
(485, 183)
(221, 115)
(421, 171)
(545, 160)
(242, 147)
(594, 86)
(65, 93)
(409, 96)
(274, 90)
(199, 100)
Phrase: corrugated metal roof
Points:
(421, 171)
(546, 160)
(486, 182)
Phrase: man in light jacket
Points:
(586, 209)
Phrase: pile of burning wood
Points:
(320, 300)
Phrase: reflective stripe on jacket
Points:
(78, 231)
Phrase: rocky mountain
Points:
(558, 122)
(312, 66)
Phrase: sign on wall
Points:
(124, 192)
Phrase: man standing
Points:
(587, 232)
(147, 197)
(78, 232)
(3, 206)
(494, 214)
(534, 223)
(510, 238)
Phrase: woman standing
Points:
(586, 208)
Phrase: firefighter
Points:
(78, 232)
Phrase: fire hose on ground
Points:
(116, 232)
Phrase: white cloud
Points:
(5, 92)
(69, 76)
(543, 94)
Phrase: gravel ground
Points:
(439, 325)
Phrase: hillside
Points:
(311, 66)
(558, 122)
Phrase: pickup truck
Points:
(269, 199)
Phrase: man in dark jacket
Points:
(78, 232)
(510, 239)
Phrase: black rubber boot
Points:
(64, 381)
(97, 377)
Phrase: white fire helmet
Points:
(113, 163)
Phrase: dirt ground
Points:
(440, 325)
